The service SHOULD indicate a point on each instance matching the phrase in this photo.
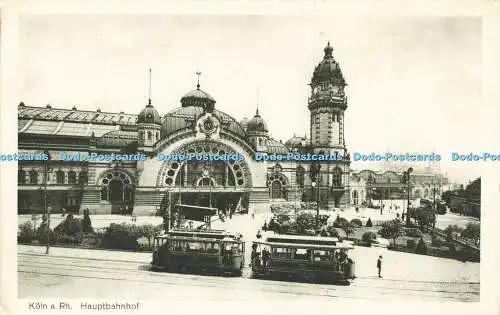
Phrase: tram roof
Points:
(301, 239)
(195, 207)
(200, 234)
(309, 245)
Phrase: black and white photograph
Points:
(248, 157)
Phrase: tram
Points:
(309, 258)
(203, 251)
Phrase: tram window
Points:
(281, 252)
(320, 255)
(212, 248)
(301, 253)
(194, 247)
(176, 246)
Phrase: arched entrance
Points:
(277, 184)
(205, 182)
(355, 197)
(117, 188)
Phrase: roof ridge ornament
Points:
(149, 99)
(198, 73)
(328, 51)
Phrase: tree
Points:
(87, 224)
(305, 221)
(472, 231)
(368, 237)
(424, 217)
(348, 228)
(369, 223)
(421, 247)
(392, 229)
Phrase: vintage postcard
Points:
(314, 157)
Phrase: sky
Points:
(414, 84)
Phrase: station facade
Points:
(144, 187)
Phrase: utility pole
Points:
(47, 208)
(407, 177)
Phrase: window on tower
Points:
(337, 177)
(150, 136)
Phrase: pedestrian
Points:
(259, 235)
(252, 213)
(379, 266)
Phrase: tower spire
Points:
(149, 99)
(198, 73)
(258, 100)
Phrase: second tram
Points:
(311, 258)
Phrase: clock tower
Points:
(327, 105)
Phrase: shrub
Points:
(421, 247)
(369, 223)
(357, 222)
(340, 222)
(120, 236)
(282, 217)
(43, 232)
(368, 237)
(70, 226)
(26, 233)
(332, 231)
(437, 242)
(68, 239)
(305, 221)
(413, 232)
(411, 244)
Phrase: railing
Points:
(460, 240)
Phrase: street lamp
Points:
(47, 207)
(407, 180)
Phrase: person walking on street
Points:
(379, 266)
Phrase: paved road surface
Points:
(76, 277)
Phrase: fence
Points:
(431, 251)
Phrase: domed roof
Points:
(296, 141)
(198, 98)
(257, 123)
(328, 69)
(182, 118)
(149, 115)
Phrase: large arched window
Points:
(299, 173)
(60, 177)
(276, 189)
(72, 177)
(21, 177)
(33, 177)
(337, 177)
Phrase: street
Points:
(74, 273)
